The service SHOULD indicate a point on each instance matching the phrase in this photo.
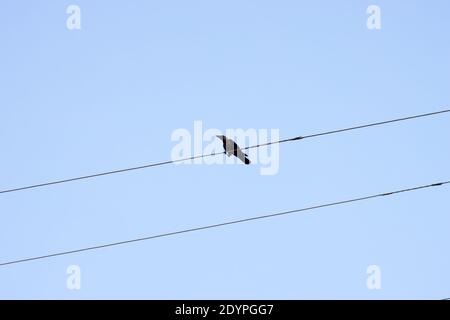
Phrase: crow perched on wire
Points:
(231, 148)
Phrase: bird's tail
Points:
(246, 160)
(243, 157)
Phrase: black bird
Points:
(231, 147)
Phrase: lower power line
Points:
(223, 224)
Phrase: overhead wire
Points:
(223, 224)
(156, 164)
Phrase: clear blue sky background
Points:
(110, 95)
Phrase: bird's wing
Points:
(232, 148)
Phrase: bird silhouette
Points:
(231, 148)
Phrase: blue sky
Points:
(110, 95)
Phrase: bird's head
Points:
(221, 137)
